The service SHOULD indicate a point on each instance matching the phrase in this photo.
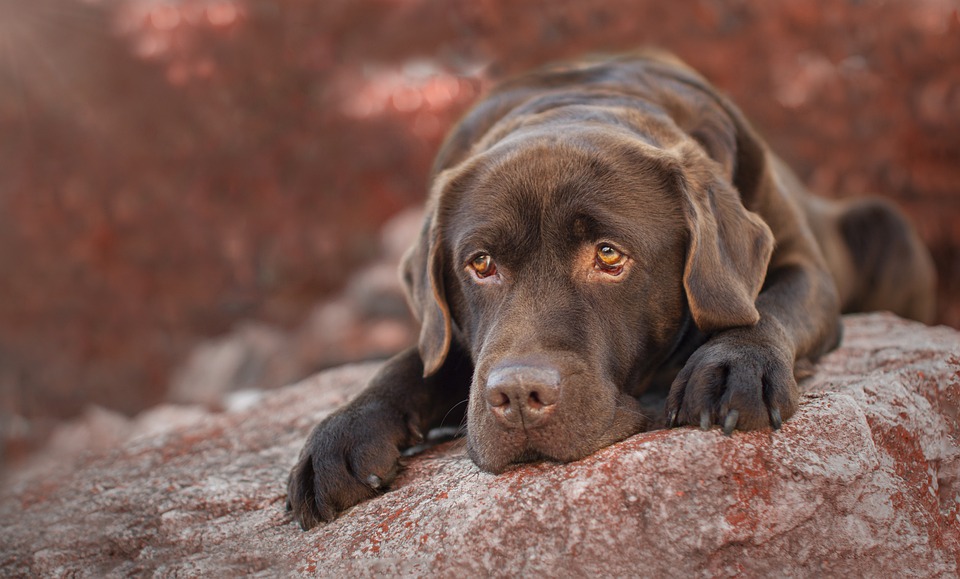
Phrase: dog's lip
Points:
(520, 446)
(528, 453)
(531, 455)
(524, 454)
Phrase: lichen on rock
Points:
(865, 479)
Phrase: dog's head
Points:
(565, 255)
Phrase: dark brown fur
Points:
(735, 276)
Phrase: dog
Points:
(598, 230)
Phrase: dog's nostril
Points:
(497, 398)
(534, 402)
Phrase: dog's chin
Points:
(504, 457)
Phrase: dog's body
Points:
(597, 230)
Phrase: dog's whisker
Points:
(454, 407)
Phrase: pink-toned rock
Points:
(864, 480)
(368, 320)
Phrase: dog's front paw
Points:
(349, 457)
(740, 379)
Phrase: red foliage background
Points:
(168, 167)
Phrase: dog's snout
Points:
(522, 395)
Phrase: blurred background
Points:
(200, 199)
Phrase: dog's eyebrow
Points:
(477, 240)
(589, 223)
(582, 226)
(568, 218)
(499, 239)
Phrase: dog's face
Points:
(566, 264)
(556, 261)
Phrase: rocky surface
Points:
(368, 319)
(864, 480)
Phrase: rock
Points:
(864, 480)
(250, 356)
(99, 429)
(368, 319)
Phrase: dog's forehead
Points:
(546, 183)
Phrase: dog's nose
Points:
(522, 394)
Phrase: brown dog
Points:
(594, 231)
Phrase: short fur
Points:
(734, 277)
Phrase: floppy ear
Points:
(730, 246)
(729, 249)
(422, 275)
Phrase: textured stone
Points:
(369, 319)
(864, 480)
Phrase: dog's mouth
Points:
(531, 455)
(510, 449)
(495, 448)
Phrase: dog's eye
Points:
(483, 266)
(609, 259)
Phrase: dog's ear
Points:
(422, 275)
(729, 139)
(729, 247)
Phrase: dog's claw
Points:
(672, 419)
(731, 422)
(775, 420)
(704, 420)
(374, 482)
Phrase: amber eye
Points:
(608, 257)
(483, 266)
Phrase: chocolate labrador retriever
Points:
(597, 230)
